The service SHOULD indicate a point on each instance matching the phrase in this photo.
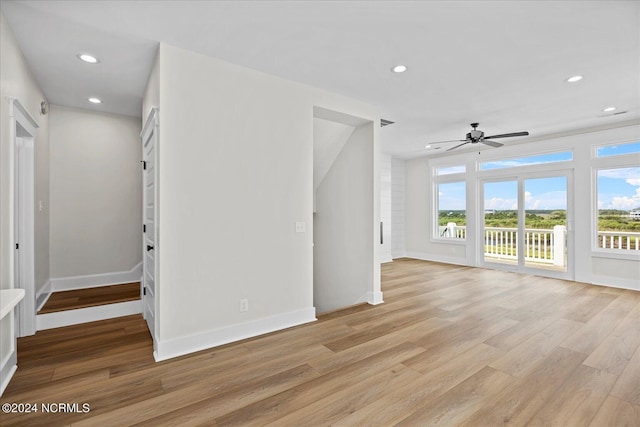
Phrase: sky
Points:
(617, 188)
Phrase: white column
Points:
(451, 229)
(559, 232)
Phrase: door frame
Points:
(150, 130)
(22, 134)
(520, 177)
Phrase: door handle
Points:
(149, 248)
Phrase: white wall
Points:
(236, 174)
(385, 207)
(96, 195)
(342, 227)
(152, 90)
(397, 208)
(590, 266)
(17, 81)
(417, 214)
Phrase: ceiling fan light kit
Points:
(477, 136)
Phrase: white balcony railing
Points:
(542, 245)
(619, 240)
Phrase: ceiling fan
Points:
(475, 136)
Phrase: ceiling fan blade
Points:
(507, 135)
(459, 145)
(444, 142)
(492, 143)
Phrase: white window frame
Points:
(448, 178)
(606, 163)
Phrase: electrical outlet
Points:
(301, 227)
(244, 305)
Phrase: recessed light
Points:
(95, 100)
(574, 79)
(608, 109)
(90, 59)
(427, 146)
(399, 68)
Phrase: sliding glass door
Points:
(545, 223)
(501, 222)
(526, 223)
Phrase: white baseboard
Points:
(615, 282)
(43, 295)
(9, 367)
(215, 337)
(437, 258)
(386, 260)
(95, 280)
(89, 314)
(374, 298)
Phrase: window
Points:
(451, 220)
(447, 170)
(618, 198)
(525, 161)
(618, 150)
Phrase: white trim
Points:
(89, 314)
(25, 278)
(96, 280)
(6, 373)
(150, 132)
(151, 118)
(614, 282)
(14, 104)
(437, 258)
(215, 337)
(42, 296)
(615, 254)
(374, 298)
(386, 260)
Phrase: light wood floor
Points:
(451, 346)
(91, 297)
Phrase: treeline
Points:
(608, 220)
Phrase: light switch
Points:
(301, 227)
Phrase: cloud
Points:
(525, 161)
(452, 169)
(630, 175)
(546, 201)
(624, 203)
(500, 204)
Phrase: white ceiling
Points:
(500, 63)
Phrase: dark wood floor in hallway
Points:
(91, 297)
(451, 346)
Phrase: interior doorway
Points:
(150, 261)
(22, 274)
(346, 230)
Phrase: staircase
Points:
(88, 305)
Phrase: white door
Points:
(149, 229)
(527, 224)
